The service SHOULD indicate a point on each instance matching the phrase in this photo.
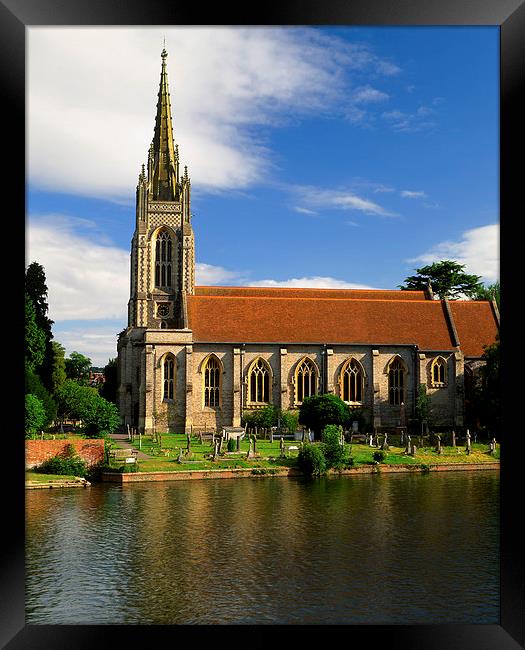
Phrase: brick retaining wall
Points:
(138, 477)
(91, 450)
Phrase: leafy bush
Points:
(334, 452)
(379, 456)
(35, 415)
(311, 459)
(69, 463)
(319, 410)
(232, 444)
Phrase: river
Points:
(383, 549)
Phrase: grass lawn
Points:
(163, 458)
(47, 478)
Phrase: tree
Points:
(447, 279)
(35, 415)
(423, 409)
(108, 390)
(36, 289)
(35, 340)
(290, 420)
(319, 410)
(73, 399)
(80, 402)
(34, 386)
(492, 292)
(488, 393)
(58, 366)
(100, 417)
(78, 367)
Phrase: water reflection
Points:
(371, 549)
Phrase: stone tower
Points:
(162, 248)
(162, 276)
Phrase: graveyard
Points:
(171, 452)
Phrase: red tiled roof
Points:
(475, 324)
(237, 317)
(292, 292)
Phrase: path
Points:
(122, 440)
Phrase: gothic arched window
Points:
(351, 381)
(305, 380)
(168, 377)
(163, 259)
(396, 381)
(438, 372)
(259, 376)
(212, 382)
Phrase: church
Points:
(201, 356)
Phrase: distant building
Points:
(96, 377)
(197, 355)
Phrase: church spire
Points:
(165, 172)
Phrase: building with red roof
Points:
(195, 356)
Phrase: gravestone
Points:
(438, 447)
(467, 447)
(453, 438)
(408, 448)
(281, 446)
(385, 446)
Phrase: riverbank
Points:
(182, 475)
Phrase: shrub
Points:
(319, 410)
(70, 463)
(333, 451)
(34, 386)
(232, 444)
(311, 460)
(35, 415)
(379, 456)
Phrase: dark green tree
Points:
(488, 391)
(492, 292)
(58, 366)
(108, 390)
(319, 410)
(447, 279)
(36, 289)
(78, 367)
(35, 338)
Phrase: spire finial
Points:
(164, 54)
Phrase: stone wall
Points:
(37, 451)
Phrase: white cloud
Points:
(301, 210)
(367, 94)
(317, 282)
(96, 341)
(92, 94)
(409, 194)
(339, 199)
(478, 250)
(86, 280)
(406, 122)
(208, 274)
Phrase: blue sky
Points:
(331, 156)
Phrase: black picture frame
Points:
(509, 15)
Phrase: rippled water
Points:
(371, 549)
